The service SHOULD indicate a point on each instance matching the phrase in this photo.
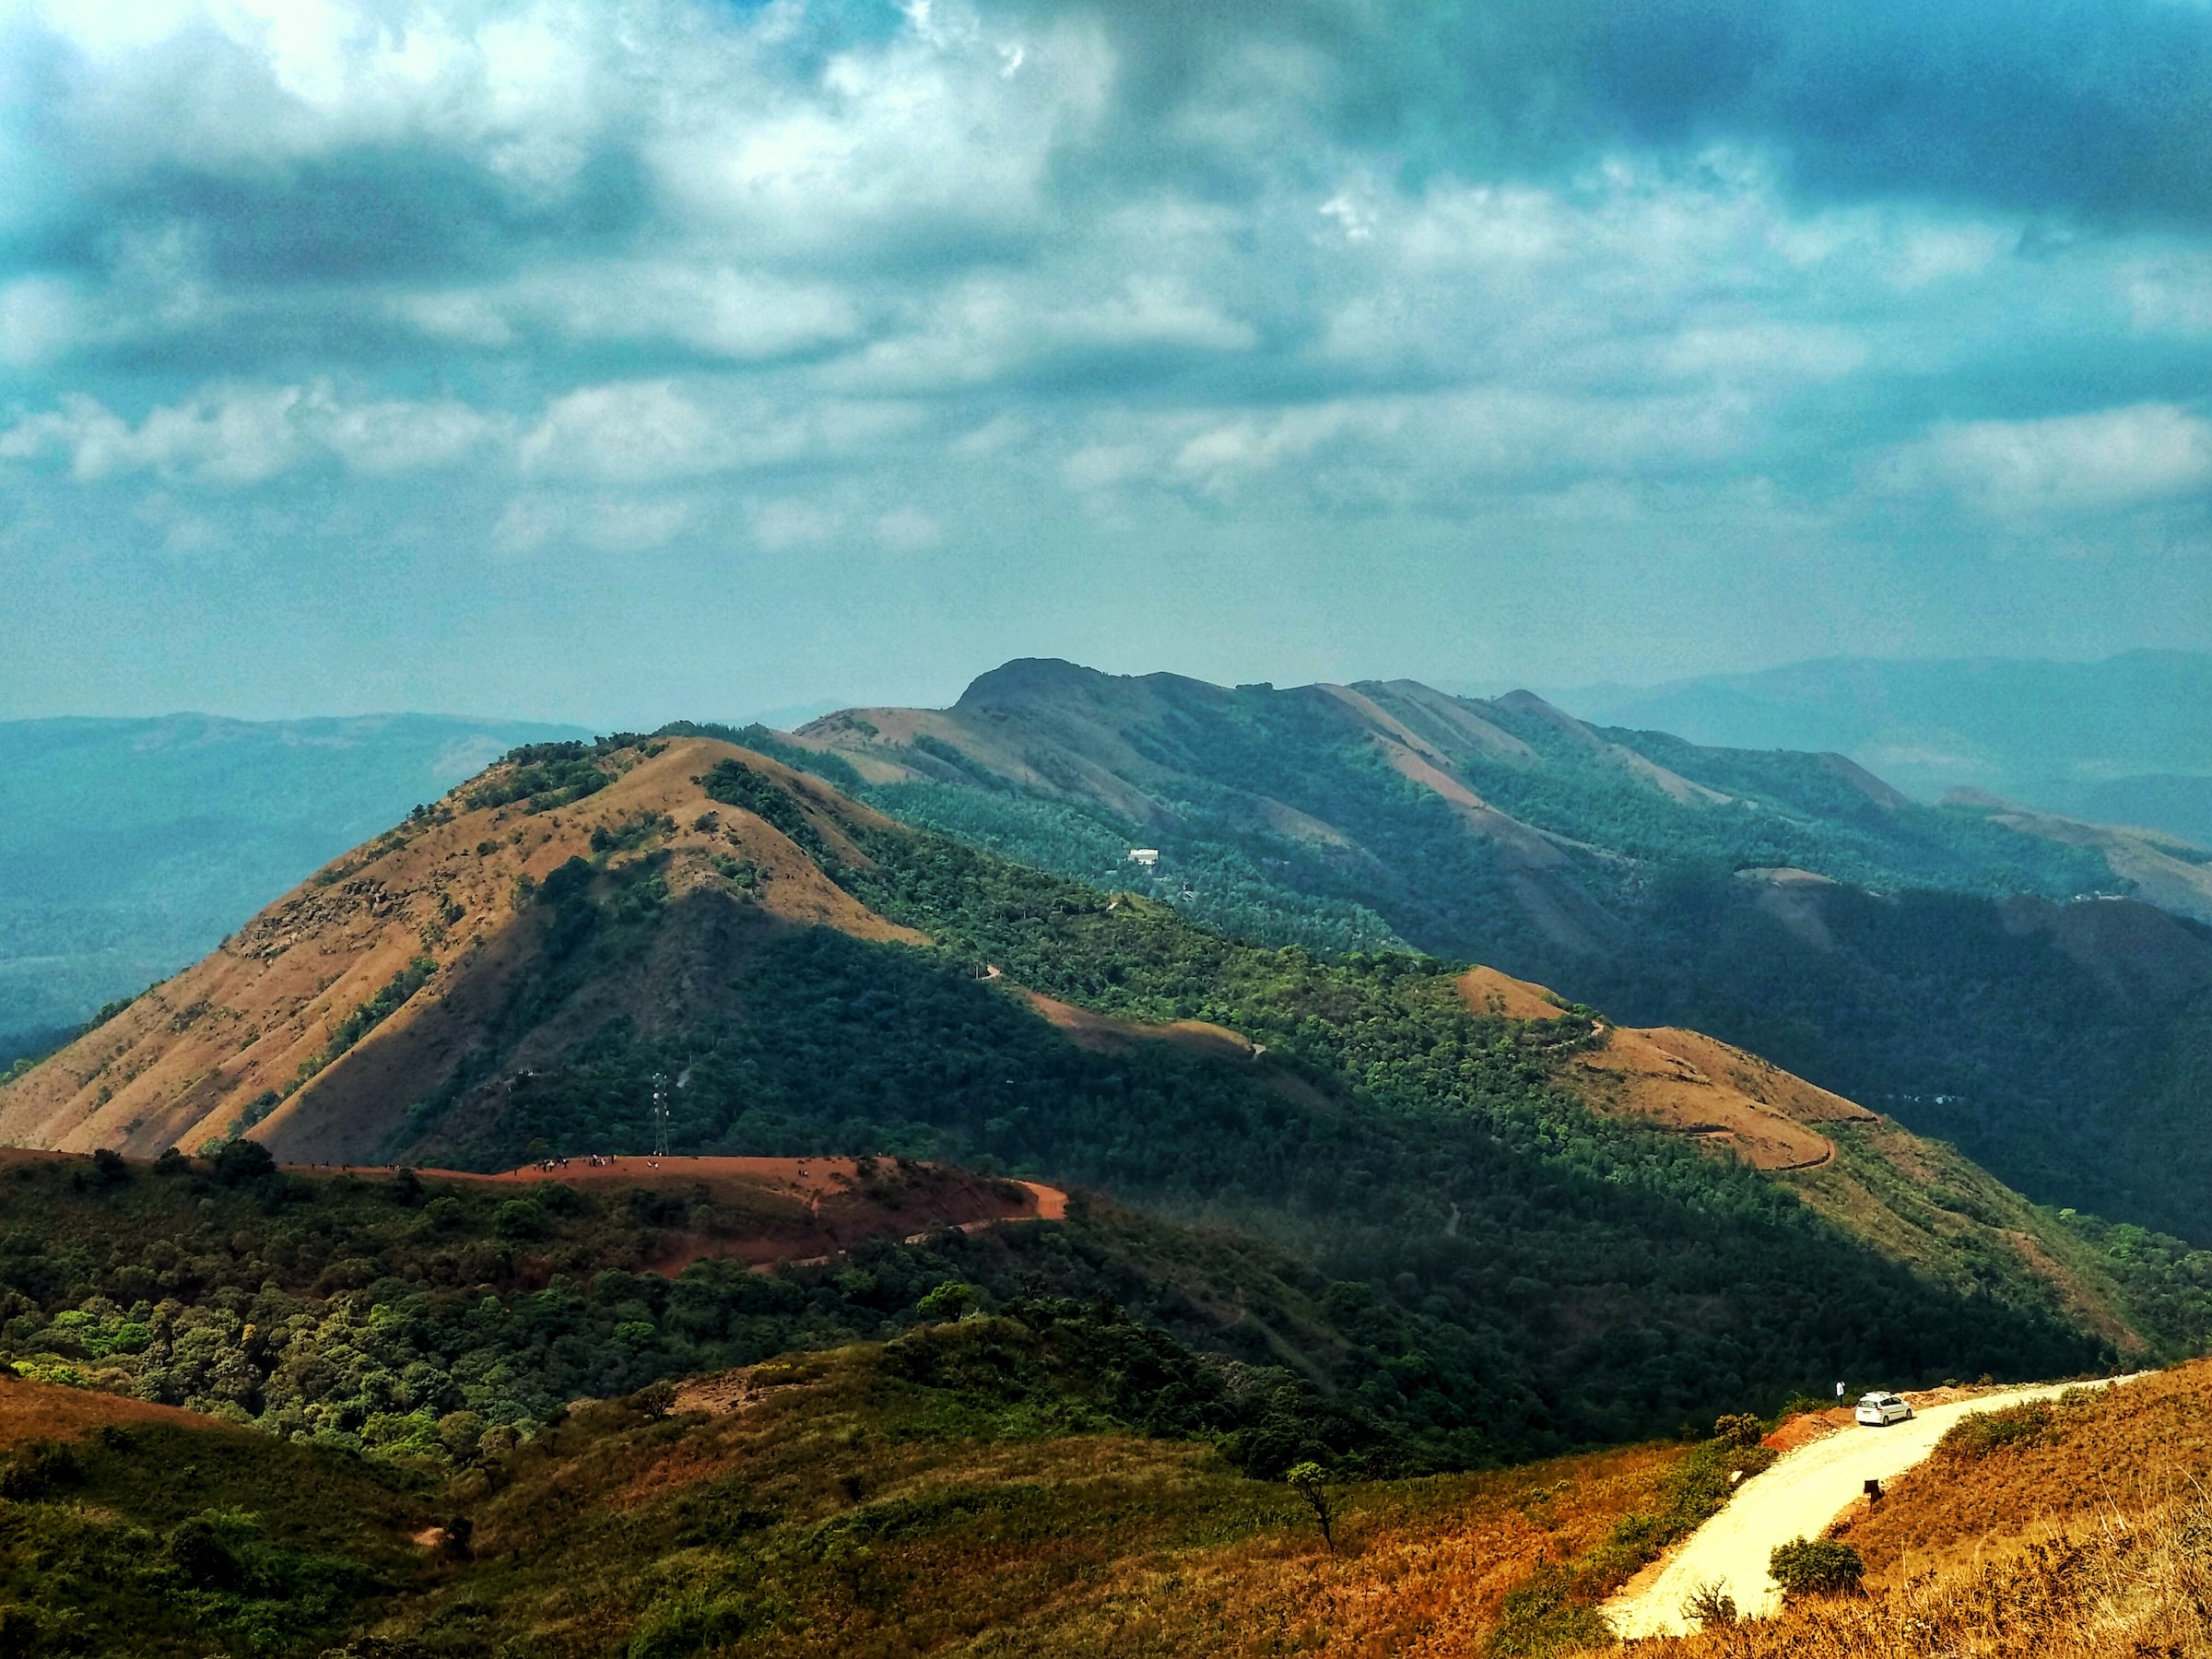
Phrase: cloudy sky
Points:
(615, 362)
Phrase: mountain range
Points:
(2036, 990)
(2125, 740)
(1475, 1219)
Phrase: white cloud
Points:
(780, 525)
(631, 432)
(234, 435)
(2110, 460)
(601, 523)
(908, 530)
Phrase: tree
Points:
(1310, 1482)
(244, 1160)
(1711, 1606)
(948, 1301)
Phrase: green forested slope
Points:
(2053, 1051)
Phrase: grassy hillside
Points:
(960, 1485)
(1922, 959)
(2071, 1530)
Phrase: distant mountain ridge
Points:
(1923, 959)
(2126, 740)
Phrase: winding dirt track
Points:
(1803, 1490)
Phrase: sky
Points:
(617, 364)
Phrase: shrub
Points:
(244, 1160)
(1739, 1430)
(519, 1219)
(200, 1547)
(1710, 1607)
(1976, 1435)
(1816, 1566)
(37, 1469)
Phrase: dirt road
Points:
(1796, 1498)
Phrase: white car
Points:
(1880, 1410)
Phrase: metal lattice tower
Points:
(660, 1115)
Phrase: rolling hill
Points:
(1484, 1222)
(1939, 963)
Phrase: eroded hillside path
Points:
(1796, 1498)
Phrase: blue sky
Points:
(619, 362)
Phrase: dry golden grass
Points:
(2139, 1586)
(2107, 1451)
(2091, 1538)
(1420, 1571)
(32, 1411)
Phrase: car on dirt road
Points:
(1879, 1410)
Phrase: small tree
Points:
(1310, 1482)
(1711, 1606)
(1816, 1566)
(244, 1160)
(948, 1301)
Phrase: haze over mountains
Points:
(2127, 740)
(129, 847)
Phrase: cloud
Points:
(779, 525)
(908, 530)
(609, 523)
(2105, 462)
(232, 436)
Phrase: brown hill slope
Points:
(1914, 1199)
(2166, 870)
(278, 1031)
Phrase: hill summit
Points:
(415, 967)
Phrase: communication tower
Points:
(660, 1115)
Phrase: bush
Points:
(1976, 1435)
(244, 1160)
(519, 1219)
(1816, 1566)
(1740, 1430)
(1710, 1607)
(37, 1469)
(200, 1548)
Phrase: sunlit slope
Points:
(1914, 1199)
(327, 1015)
